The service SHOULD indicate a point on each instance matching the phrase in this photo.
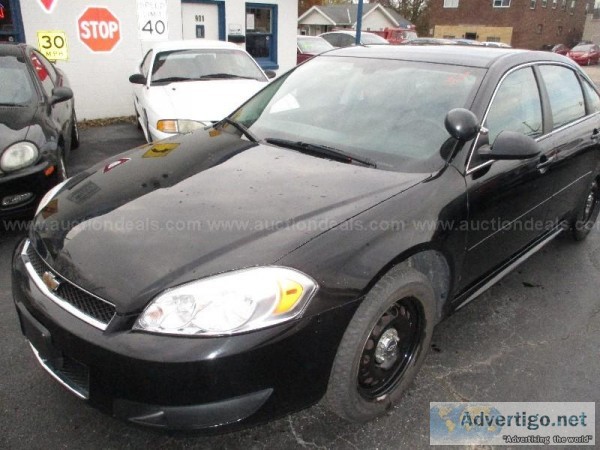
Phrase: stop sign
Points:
(99, 29)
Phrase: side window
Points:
(564, 91)
(145, 66)
(348, 40)
(333, 39)
(592, 98)
(516, 107)
(43, 75)
(48, 66)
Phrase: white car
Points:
(185, 85)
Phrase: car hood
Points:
(208, 100)
(206, 203)
(14, 124)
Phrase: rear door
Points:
(574, 108)
(508, 200)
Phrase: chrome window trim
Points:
(470, 169)
(59, 301)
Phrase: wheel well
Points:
(434, 265)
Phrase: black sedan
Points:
(307, 245)
(38, 128)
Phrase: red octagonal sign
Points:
(99, 29)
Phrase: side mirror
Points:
(137, 78)
(61, 94)
(270, 74)
(462, 124)
(510, 145)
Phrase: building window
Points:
(450, 3)
(261, 34)
(501, 3)
(532, 4)
(544, 3)
(493, 39)
(572, 6)
(554, 2)
(563, 5)
(559, 30)
(540, 28)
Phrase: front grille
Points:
(84, 303)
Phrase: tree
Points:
(415, 11)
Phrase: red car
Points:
(561, 49)
(309, 46)
(585, 54)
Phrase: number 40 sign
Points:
(152, 20)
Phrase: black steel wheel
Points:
(390, 348)
(383, 346)
(588, 212)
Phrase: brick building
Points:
(531, 24)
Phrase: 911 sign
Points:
(152, 20)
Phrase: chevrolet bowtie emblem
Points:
(50, 281)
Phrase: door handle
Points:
(595, 134)
(545, 161)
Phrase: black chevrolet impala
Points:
(307, 245)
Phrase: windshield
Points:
(582, 48)
(367, 38)
(204, 64)
(314, 45)
(387, 111)
(15, 84)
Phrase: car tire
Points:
(587, 213)
(383, 346)
(138, 120)
(74, 132)
(61, 165)
(147, 134)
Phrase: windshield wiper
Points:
(226, 75)
(321, 150)
(242, 128)
(174, 79)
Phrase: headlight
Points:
(18, 156)
(49, 196)
(231, 303)
(179, 126)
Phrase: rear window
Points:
(15, 84)
(372, 39)
(314, 45)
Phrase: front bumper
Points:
(179, 382)
(30, 180)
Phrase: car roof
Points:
(193, 44)
(471, 56)
(11, 49)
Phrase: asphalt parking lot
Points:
(533, 337)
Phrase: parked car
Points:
(397, 36)
(467, 42)
(185, 85)
(309, 46)
(430, 41)
(345, 38)
(561, 49)
(585, 54)
(294, 250)
(38, 128)
(495, 44)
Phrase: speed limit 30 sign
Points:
(53, 45)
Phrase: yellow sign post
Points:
(53, 45)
